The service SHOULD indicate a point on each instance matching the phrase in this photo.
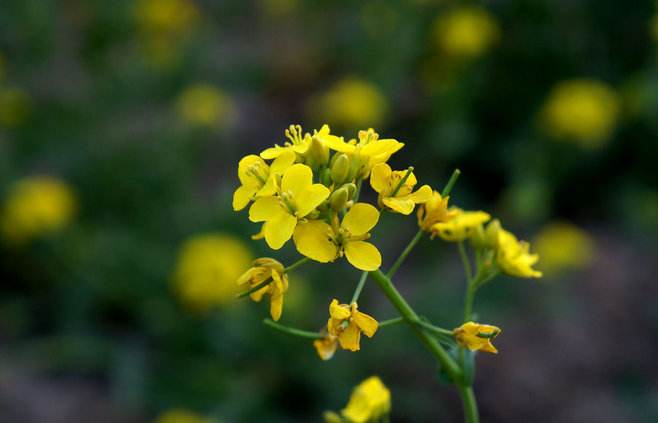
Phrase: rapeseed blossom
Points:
(514, 258)
(466, 32)
(259, 179)
(563, 246)
(370, 401)
(476, 336)
(262, 270)
(346, 323)
(207, 268)
(35, 206)
(433, 211)
(204, 105)
(461, 226)
(395, 189)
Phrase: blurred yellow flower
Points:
(351, 103)
(395, 189)
(513, 256)
(35, 206)
(582, 111)
(347, 323)
(326, 347)
(261, 271)
(169, 17)
(14, 106)
(461, 226)
(433, 211)
(179, 415)
(563, 246)
(204, 105)
(207, 268)
(370, 401)
(466, 32)
(476, 336)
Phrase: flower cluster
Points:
(370, 402)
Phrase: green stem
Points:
(470, 404)
(402, 181)
(451, 183)
(255, 288)
(435, 329)
(295, 265)
(447, 363)
(359, 287)
(292, 331)
(404, 254)
(391, 322)
(465, 261)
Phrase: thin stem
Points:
(435, 329)
(359, 287)
(468, 301)
(255, 288)
(358, 190)
(296, 264)
(471, 414)
(391, 322)
(292, 331)
(442, 356)
(451, 183)
(404, 254)
(402, 181)
(465, 261)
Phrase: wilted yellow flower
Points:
(433, 211)
(352, 103)
(170, 17)
(179, 415)
(461, 226)
(326, 347)
(563, 246)
(370, 401)
(366, 153)
(581, 110)
(258, 179)
(297, 197)
(204, 105)
(322, 242)
(262, 270)
(466, 32)
(35, 206)
(476, 337)
(14, 106)
(347, 323)
(207, 267)
(396, 192)
(513, 256)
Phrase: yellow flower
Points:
(207, 268)
(347, 323)
(172, 17)
(461, 226)
(513, 256)
(179, 415)
(476, 337)
(321, 242)
(396, 192)
(583, 111)
(351, 103)
(298, 141)
(466, 32)
(297, 197)
(262, 270)
(258, 179)
(15, 106)
(370, 401)
(563, 246)
(435, 210)
(35, 206)
(368, 152)
(204, 105)
(326, 347)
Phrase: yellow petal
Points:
(245, 164)
(310, 198)
(296, 179)
(283, 162)
(367, 324)
(363, 255)
(360, 219)
(242, 196)
(336, 143)
(350, 337)
(402, 205)
(276, 306)
(337, 311)
(279, 229)
(273, 152)
(423, 195)
(381, 147)
(325, 347)
(380, 177)
(314, 240)
(264, 208)
(269, 189)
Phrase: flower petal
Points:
(314, 240)
(296, 179)
(279, 229)
(360, 219)
(380, 177)
(350, 337)
(276, 306)
(338, 312)
(244, 166)
(366, 323)
(264, 208)
(312, 197)
(423, 195)
(335, 143)
(402, 205)
(386, 147)
(242, 196)
(325, 347)
(283, 162)
(273, 152)
(363, 255)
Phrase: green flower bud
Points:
(351, 189)
(339, 198)
(317, 154)
(341, 168)
(325, 177)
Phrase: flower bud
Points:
(317, 154)
(486, 237)
(325, 177)
(351, 190)
(339, 198)
(341, 168)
